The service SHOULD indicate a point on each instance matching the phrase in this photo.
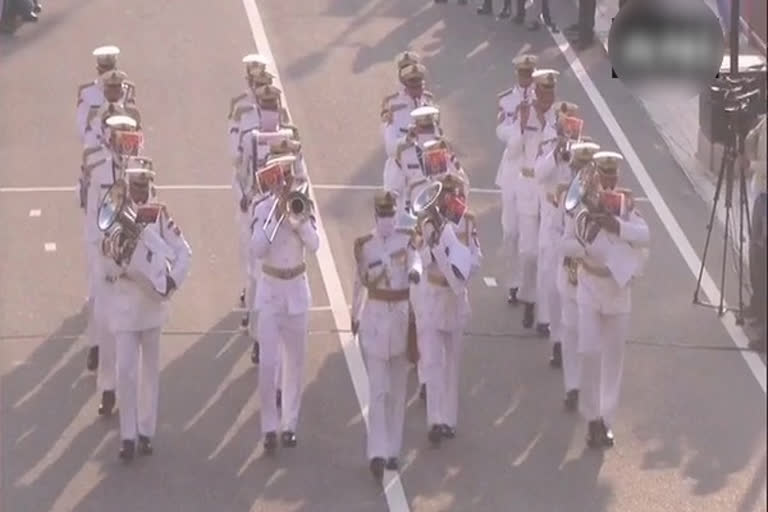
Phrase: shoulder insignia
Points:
(358, 245)
(388, 98)
(284, 118)
(234, 102)
(402, 147)
(80, 90)
(506, 92)
(395, 108)
(242, 110)
(174, 227)
(87, 169)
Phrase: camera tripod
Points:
(727, 176)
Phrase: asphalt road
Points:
(691, 429)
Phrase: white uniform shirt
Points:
(134, 307)
(383, 264)
(287, 251)
(90, 96)
(396, 116)
(508, 102)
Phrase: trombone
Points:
(295, 205)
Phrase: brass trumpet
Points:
(295, 205)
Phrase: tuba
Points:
(123, 222)
(425, 205)
(582, 199)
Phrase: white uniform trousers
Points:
(106, 374)
(244, 239)
(510, 236)
(528, 244)
(547, 294)
(281, 334)
(416, 295)
(602, 340)
(138, 381)
(253, 315)
(569, 337)
(444, 350)
(387, 384)
(92, 255)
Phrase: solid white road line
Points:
(35, 213)
(676, 233)
(50, 247)
(393, 488)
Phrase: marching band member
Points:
(396, 107)
(282, 298)
(451, 251)
(103, 164)
(243, 106)
(115, 94)
(610, 238)
(266, 115)
(410, 151)
(506, 176)
(567, 281)
(138, 312)
(550, 168)
(387, 263)
(528, 130)
(91, 94)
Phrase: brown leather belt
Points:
(527, 172)
(284, 273)
(595, 270)
(437, 279)
(385, 295)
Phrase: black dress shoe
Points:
(485, 9)
(92, 360)
(556, 361)
(245, 320)
(392, 464)
(519, 19)
(505, 13)
(30, 16)
(572, 400)
(377, 463)
(512, 297)
(595, 434)
(145, 446)
(448, 432)
(128, 450)
(528, 315)
(279, 398)
(288, 439)
(255, 353)
(435, 435)
(270, 442)
(607, 435)
(542, 330)
(107, 403)
(423, 392)
(242, 298)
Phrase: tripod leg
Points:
(718, 189)
(720, 308)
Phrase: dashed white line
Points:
(666, 216)
(490, 282)
(393, 490)
(35, 213)
(50, 247)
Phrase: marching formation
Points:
(573, 243)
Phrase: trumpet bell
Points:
(426, 199)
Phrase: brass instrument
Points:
(295, 205)
(425, 205)
(118, 219)
(583, 199)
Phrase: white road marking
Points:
(393, 490)
(490, 282)
(676, 233)
(35, 213)
(311, 309)
(50, 247)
